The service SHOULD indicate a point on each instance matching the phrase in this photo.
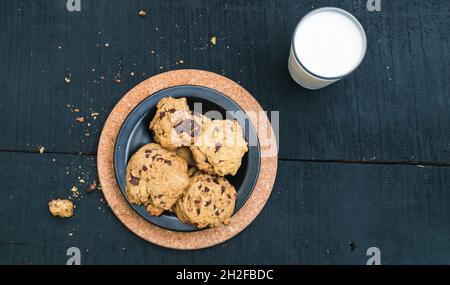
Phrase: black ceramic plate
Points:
(134, 133)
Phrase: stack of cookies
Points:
(183, 172)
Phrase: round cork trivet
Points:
(202, 238)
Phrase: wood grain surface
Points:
(366, 160)
(402, 210)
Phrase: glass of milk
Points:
(327, 45)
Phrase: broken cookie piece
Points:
(61, 208)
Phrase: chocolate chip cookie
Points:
(208, 201)
(220, 147)
(156, 178)
(174, 125)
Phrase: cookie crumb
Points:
(80, 119)
(213, 40)
(91, 188)
(75, 192)
(67, 79)
(132, 73)
(61, 208)
(142, 13)
(107, 45)
(94, 115)
(117, 80)
(41, 149)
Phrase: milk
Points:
(327, 45)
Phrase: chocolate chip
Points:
(207, 189)
(216, 181)
(218, 146)
(178, 124)
(222, 189)
(197, 201)
(161, 115)
(217, 213)
(172, 110)
(228, 195)
(159, 196)
(165, 161)
(188, 126)
(147, 153)
(208, 203)
(144, 168)
(134, 180)
(198, 211)
(208, 180)
(195, 132)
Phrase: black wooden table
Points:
(362, 163)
